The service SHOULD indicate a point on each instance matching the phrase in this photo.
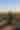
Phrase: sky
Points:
(18, 5)
(6, 5)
